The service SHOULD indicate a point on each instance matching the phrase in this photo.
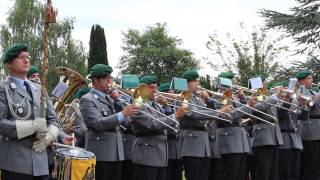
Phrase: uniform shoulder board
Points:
(13, 86)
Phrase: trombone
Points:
(261, 93)
(140, 96)
(227, 97)
(184, 98)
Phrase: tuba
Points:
(70, 82)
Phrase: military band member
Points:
(174, 169)
(150, 148)
(310, 130)
(33, 74)
(80, 129)
(233, 140)
(103, 137)
(290, 151)
(24, 135)
(266, 139)
(195, 150)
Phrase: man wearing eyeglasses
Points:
(24, 136)
(33, 74)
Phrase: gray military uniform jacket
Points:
(311, 127)
(80, 130)
(103, 137)
(18, 155)
(265, 134)
(195, 141)
(233, 138)
(213, 140)
(289, 122)
(150, 147)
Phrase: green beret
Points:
(164, 87)
(303, 74)
(190, 75)
(280, 83)
(13, 52)
(81, 92)
(148, 79)
(228, 75)
(100, 70)
(32, 69)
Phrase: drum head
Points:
(75, 153)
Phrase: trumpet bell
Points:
(186, 96)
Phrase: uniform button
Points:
(225, 133)
(35, 107)
(124, 139)
(259, 129)
(309, 122)
(7, 139)
(146, 144)
(190, 134)
(98, 138)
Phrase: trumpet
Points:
(227, 96)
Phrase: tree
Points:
(98, 47)
(25, 24)
(303, 24)
(155, 52)
(254, 56)
(205, 82)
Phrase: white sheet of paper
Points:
(292, 83)
(60, 89)
(256, 83)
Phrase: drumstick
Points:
(73, 143)
(66, 146)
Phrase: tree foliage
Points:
(98, 47)
(155, 52)
(25, 24)
(302, 23)
(256, 55)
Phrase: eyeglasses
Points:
(24, 57)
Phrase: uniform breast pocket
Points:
(105, 113)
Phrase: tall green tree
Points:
(155, 52)
(205, 82)
(256, 55)
(302, 24)
(98, 47)
(25, 24)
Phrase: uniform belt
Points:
(314, 116)
(195, 128)
(288, 131)
(173, 136)
(144, 134)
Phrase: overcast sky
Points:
(190, 20)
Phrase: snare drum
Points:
(74, 164)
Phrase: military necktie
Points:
(28, 89)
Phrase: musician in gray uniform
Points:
(266, 139)
(103, 137)
(233, 140)
(195, 150)
(33, 74)
(24, 136)
(310, 130)
(174, 169)
(80, 128)
(290, 151)
(150, 148)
